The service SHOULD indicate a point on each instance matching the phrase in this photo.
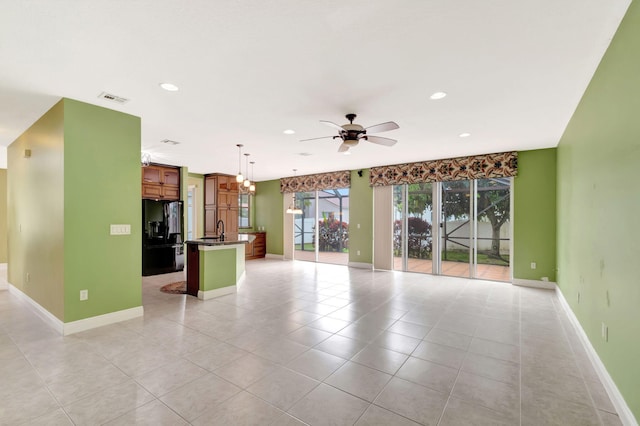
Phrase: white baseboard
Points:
(210, 294)
(37, 309)
(360, 265)
(549, 285)
(274, 256)
(75, 326)
(623, 410)
(101, 320)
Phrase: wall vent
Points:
(113, 98)
(169, 142)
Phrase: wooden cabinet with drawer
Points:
(258, 248)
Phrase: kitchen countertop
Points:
(231, 239)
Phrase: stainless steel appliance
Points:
(162, 237)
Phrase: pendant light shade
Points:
(246, 182)
(292, 207)
(239, 177)
(252, 186)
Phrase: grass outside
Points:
(483, 258)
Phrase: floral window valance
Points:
(502, 164)
(318, 182)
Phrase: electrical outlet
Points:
(533, 265)
(358, 226)
(358, 252)
(84, 294)
(605, 332)
(28, 277)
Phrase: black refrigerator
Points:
(162, 237)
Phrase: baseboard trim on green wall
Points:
(274, 256)
(68, 328)
(100, 320)
(549, 285)
(211, 294)
(360, 265)
(623, 410)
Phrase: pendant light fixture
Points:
(252, 187)
(246, 182)
(239, 177)
(292, 207)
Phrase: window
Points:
(244, 209)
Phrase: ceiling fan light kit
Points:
(351, 134)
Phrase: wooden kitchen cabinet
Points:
(221, 203)
(258, 248)
(161, 182)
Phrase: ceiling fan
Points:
(351, 134)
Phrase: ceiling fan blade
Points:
(381, 141)
(331, 124)
(313, 139)
(382, 127)
(343, 147)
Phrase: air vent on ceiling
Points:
(305, 154)
(169, 142)
(113, 98)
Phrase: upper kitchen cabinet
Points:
(161, 182)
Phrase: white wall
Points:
(3, 157)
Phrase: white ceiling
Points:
(514, 72)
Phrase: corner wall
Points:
(101, 187)
(35, 217)
(534, 211)
(599, 207)
(3, 215)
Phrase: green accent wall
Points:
(3, 215)
(83, 175)
(360, 212)
(269, 213)
(35, 201)
(534, 211)
(599, 207)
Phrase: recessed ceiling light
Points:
(305, 154)
(347, 153)
(437, 95)
(289, 132)
(169, 87)
(464, 135)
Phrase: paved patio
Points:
(453, 269)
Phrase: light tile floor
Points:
(309, 343)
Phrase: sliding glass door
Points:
(412, 227)
(321, 232)
(458, 228)
(456, 253)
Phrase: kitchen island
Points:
(215, 265)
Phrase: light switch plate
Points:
(121, 229)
